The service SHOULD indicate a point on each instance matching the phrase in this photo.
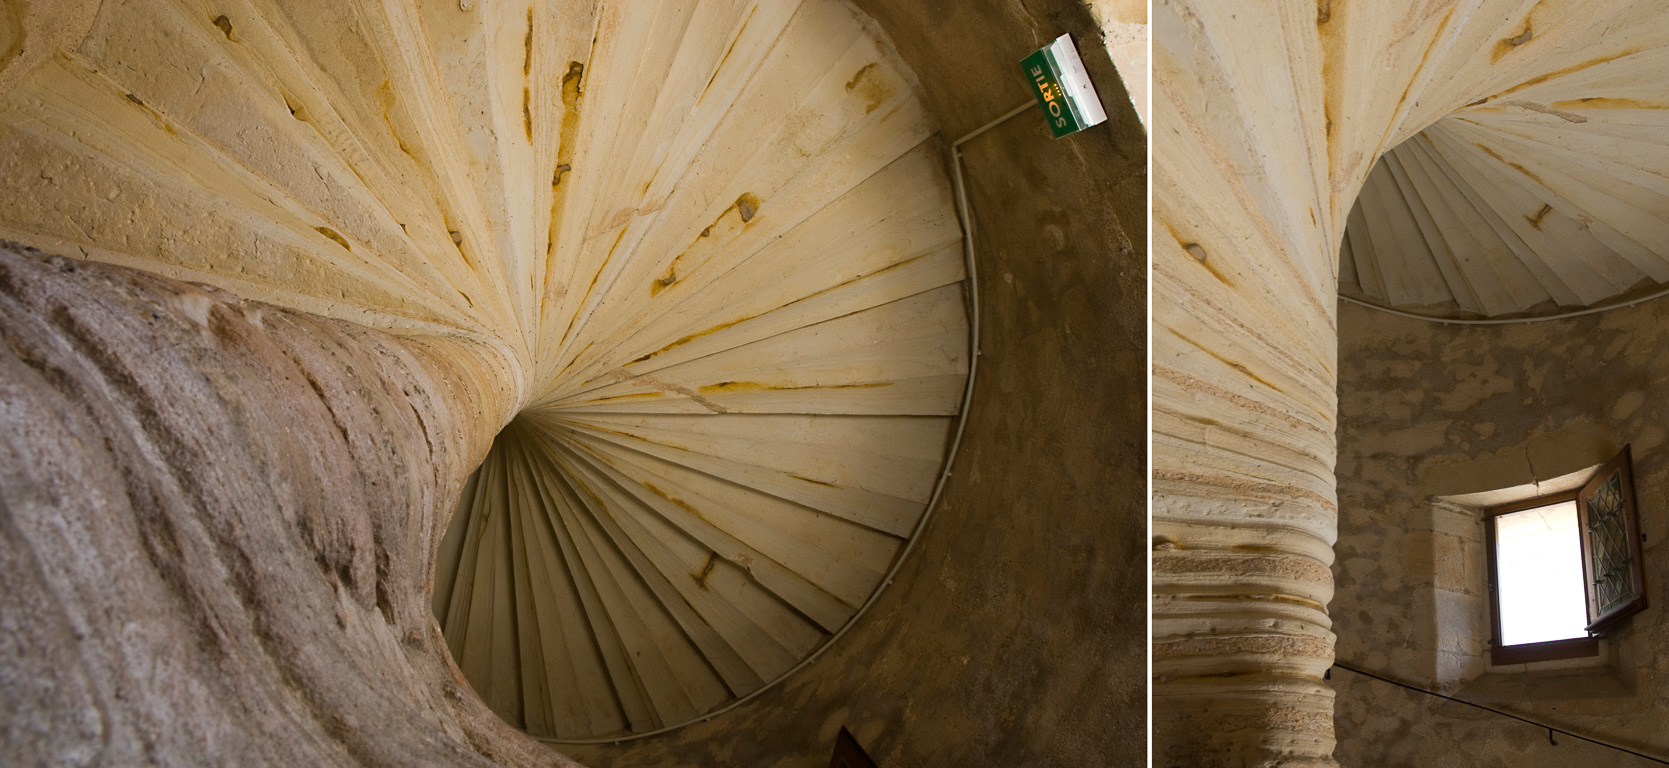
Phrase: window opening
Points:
(1538, 608)
(1564, 567)
(1538, 558)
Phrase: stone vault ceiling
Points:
(1549, 195)
(712, 239)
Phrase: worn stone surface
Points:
(1014, 633)
(1242, 391)
(1429, 410)
(218, 518)
(32, 32)
(1124, 29)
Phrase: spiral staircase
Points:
(716, 238)
(1540, 200)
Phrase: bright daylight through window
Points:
(1538, 560)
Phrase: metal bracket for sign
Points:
(1062, 88)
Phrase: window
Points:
(1565, 567)
(1540, 612)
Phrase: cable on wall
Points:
(1550, 729)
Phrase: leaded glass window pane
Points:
(1608, 532)
(1610, 528)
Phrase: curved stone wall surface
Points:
(1243, 390)
(1429, 411)
(1269, 118)
(218, 520)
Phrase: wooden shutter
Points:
(1611, 560)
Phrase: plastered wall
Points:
(1429, 411)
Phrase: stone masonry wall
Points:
(1429, 410)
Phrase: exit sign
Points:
(1063, 89)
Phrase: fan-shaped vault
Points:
(1538, 200)
(712, 242)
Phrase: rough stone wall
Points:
(1429, 410)
(1014, 635)
(217, 520)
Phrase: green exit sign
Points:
(1062, 88)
